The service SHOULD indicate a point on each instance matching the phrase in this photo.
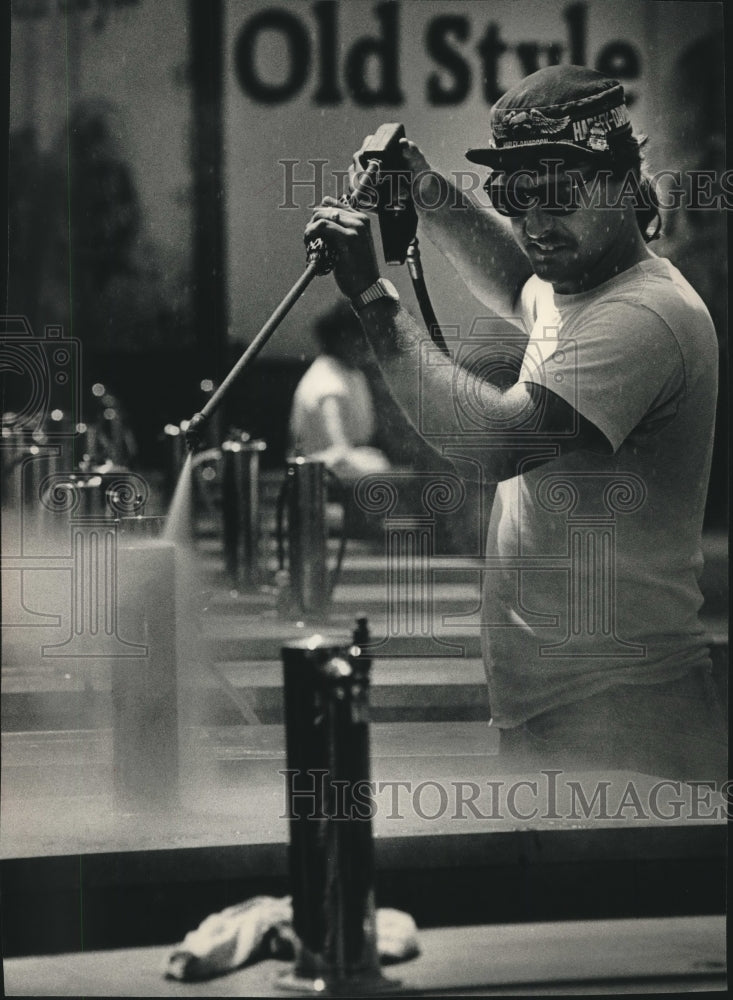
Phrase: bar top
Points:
(586, 957)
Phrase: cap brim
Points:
(513, 157)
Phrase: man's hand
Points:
(428, 186)
(430, 183)
(347, 234)
(414, 157)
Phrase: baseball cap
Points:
(564, 111)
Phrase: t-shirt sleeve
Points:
(613, 367)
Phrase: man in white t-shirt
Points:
(332, 415)
(593, 648)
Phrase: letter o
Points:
(298, 59)
(442, 795)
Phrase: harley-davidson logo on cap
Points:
(563, 110)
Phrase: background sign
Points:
(306, 82)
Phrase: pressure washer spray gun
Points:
(385, 185)
(386, 181)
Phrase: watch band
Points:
(381, 289)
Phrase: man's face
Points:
(570, 231)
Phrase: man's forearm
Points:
(478, 244)
(400, 344)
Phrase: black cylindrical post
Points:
(209, 270)
(329, 808)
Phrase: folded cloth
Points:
(396, 936)
(262, 927)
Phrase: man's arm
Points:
(476, 241)
(523, 410)
(397, 340)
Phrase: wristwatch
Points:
(381, 289)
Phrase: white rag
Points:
(262, 928)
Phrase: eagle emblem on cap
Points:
(520, 124)
(597, 139)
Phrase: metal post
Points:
(240, 508)
(175, 448)
(307, 534)
(329, 807)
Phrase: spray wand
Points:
(383, 152)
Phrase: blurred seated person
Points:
(332, 417)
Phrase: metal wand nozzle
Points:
(194, 430)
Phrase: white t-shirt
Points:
(327, 377)
(600, 553)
